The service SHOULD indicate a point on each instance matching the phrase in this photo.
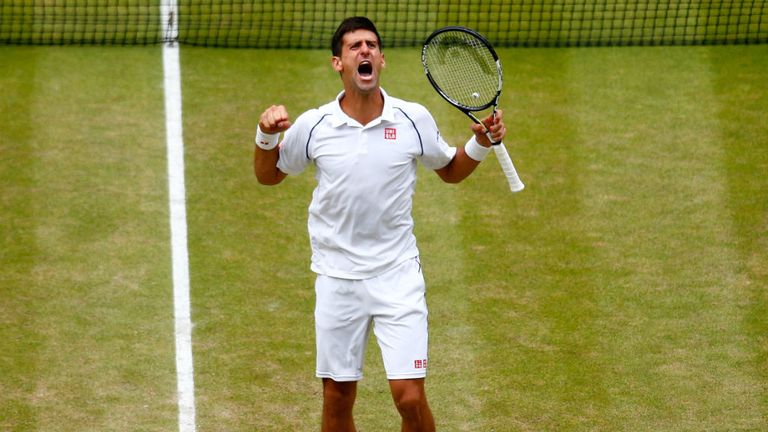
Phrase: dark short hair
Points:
(349, 25)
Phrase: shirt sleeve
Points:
(436, 152)
(293, 149)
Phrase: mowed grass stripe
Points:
(19, 339)
(673, 345)
(95, 289)
(739, 85)
(252, 291)
(439, 214)
(534, 300)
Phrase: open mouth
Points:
(365, 69)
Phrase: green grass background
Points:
(86, 315)
(624, 289)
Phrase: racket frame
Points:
(515, 184)
(469, 111)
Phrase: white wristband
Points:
(266, 141)
(474, 150)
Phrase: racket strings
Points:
(464, 69)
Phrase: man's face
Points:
(360, 62)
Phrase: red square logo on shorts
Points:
(390, 133)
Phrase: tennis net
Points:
(309, 24)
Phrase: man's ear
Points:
(336, 63)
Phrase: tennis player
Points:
(365, 146)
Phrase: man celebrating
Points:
(365, 146)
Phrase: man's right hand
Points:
(275, 119)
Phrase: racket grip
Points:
(515, 185)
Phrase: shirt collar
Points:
(339, 117)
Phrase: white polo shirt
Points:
(360, 222)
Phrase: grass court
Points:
(625, 289)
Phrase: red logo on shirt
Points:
(420, 364)
(390, 133)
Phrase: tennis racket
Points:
(464, 68)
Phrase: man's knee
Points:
(411, 405)
(410, 398)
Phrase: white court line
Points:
(178, 220)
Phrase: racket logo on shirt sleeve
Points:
(390, 133)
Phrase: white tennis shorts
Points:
(393, 303)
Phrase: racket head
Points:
(463, 67)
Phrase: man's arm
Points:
(459, 168)
(265, 166)
(468, 158)
(272, 121)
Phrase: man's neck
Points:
(363, 107)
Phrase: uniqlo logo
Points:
(420, 364)
(390, 133)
